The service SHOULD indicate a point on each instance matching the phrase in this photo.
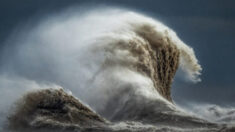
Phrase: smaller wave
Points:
(213, 113)
(52, 108)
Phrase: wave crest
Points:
(120, 63)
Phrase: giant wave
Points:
(116, 68)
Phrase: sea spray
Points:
(118, 62)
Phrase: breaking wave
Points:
(119, 64)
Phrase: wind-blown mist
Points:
(120, 64)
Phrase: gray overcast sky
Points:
(206, 25)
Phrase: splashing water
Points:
(119, 63)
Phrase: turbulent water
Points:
(116, 68)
